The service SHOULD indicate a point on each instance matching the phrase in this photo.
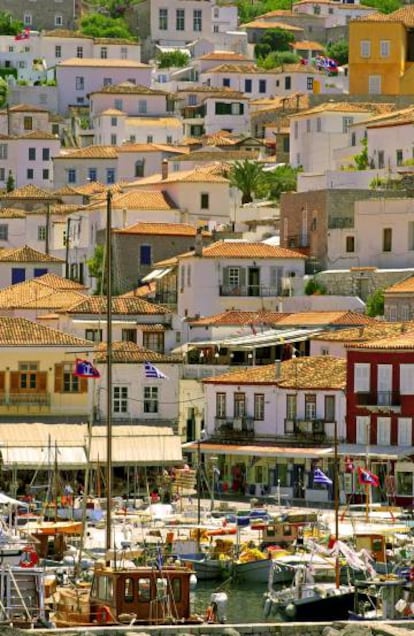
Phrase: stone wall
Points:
(43, 13)
(360, 281)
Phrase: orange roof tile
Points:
(129, 352)
(101, 63)
(238, 318)
(141, 292)
(224, 55)
(120, 305)
(139, 200)
(161, 229)
(404, 340)
(27, 254)
(241, 249)
(364, 333)
(402, 287)
(15, 331)
(29, 192)
(89, 152)
(325, 318)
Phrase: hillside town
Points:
(238, 182)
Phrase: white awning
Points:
(258, 451)
(30, 457)
(156, 274)
(259, 339)
(376, 452)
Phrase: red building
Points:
(380, 411)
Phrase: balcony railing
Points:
(166, 297)
(340, 222)
(260, 291)
(25, 399)
(378, 398)
(234, 426)
(298, 240)
(306, 429)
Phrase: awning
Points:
(376, 452)
(259, 339)
(156, 274)
(256, 450)
(29, 457)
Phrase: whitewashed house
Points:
(206, 110)
(21, 263)
(78, 77)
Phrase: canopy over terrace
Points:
(36, 446)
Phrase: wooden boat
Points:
(136, 596)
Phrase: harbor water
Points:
(245, 601)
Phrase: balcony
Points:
(25, 399)
(260, 291)
(295, 241)
(379, 400)
(166, 297)
(234, 428)
(312, 429)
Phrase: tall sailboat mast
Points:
(108, 368)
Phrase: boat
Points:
(382, 599)
(23, 594)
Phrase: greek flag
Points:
(320, 478)
(152, 372)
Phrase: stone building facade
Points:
(44, 14)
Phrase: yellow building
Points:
(381, 53)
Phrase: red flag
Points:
(23, 35)
(365, 477)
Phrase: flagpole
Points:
(108, 370)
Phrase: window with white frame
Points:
(362, 372)
(104, 52)
(27, 19)
(407, 379)
(365, 48)
(197, 20)
(3, 151)
(259, 406)
(291, 406)
(150, 399)
(58, 20)
(234, 276)
(347, 123)
(4, 232)
(163, 19)
(405, 431)
(180, 20)
(385, 48)
(383, 431)
(239, 404)
(310, 406)
(142, 106)
(363, 423)
(221, 405)
(58, 51)
(118, 104)
(79, 51)
(41, 232)
(374, 84)
(80, 83)
(124, 53)
(120, 399)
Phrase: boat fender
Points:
(290, 610)
(29, 558)
(267, 607)
(103, 615)
(193, 580)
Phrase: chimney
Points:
(164, 169)
(277, 369)
(198, 249)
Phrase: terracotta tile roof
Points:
(65, 191)
(27, 254)
(313, 373)
(128, 88)
(89, 152)
(53, 301)
(405, 15)
(276, 13)
(402, 287)
(15, 331)
(161, 229)
(308, 318)
(146, 328)
(308, 45)
(130, 147)
(25, 108)
(364, 333)
(217, 155)
(120, 305)
(262, 24)
(141, 292)
(93, 62)
(224, 55)
(129, 352)
(143, 122)
(241, 249)
(38, 134)
(62, 209)
(404, 340)
(41, 292)
(57, 282)
(238, 318)
(85, 189)
(12, 213)
(139, 200)
(66, 33)
(30, 192)
(346, 107)
(198, 175)
(115, 41)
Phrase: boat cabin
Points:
(284, 532)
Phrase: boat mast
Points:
(108, 368)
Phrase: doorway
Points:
(253, 281)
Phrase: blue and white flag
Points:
(151, 371)
(85, 369)
(320, 478)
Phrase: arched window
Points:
(139, 167)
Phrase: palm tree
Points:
(247, 176)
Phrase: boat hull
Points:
(330, 608)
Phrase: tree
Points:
(338, 51)
(248, 177)
(273, 40)
(97, 25)
(384, 6)
(10, 182)
(8, 25)
(282, 179)
(277, 59)
(96, 265)
(314, 288)
(361, 159)
(375, 303)
(169, 59)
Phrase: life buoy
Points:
(29, 558)
(103, 615)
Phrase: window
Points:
(309, 83)
(296, 129)
(381, 159)
(45, 154)
(406, 379)
(18, 275)
(163, 19)
(288, 83)
(405, 431)
(234, 276)
(92, 174)
(3, 151)
(180, 20)
(169, 139)
(291, 410)
(114, 121)
(28, 377)
(32, 154)
(27, 123)
(188, 275)
(2, 174)
(150, 139)
(71, 175)
(142, 106)
(226, 82)
(204, 201)
(385, 47)
(110, 175)
(153, 340)
(308, 125)
(365, 48)
(362, 429)
(27, 19)
(113, 139)
(150, 399)
(30, 174)
(221, 405)
(145, 255)
(120, 399)
(362, 372)
(387, 239)
(239, 404)
(310, 406)
(129, 335)
(350, 244)
(65, 381)
(192, 100)
(79, 51)
(262, 85)
(197, 20)
(80, 83)
(93, 334)
(405, 483)
(247, 85)
(374, 84)
(259, 406)
(104, 52)
(118, 104)
(346, 123)
(41, 233)
(330, 408)
(4, 232)
(129, 590)
(383, 431)
(140, 167)
(399, 157)
(58, 51)
(58, 20)
(222, 108)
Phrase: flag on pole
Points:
(320, 478)
(23, 35)
(85, 369)
(365, 477)
(151, 371)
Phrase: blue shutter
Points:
(18, 275)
